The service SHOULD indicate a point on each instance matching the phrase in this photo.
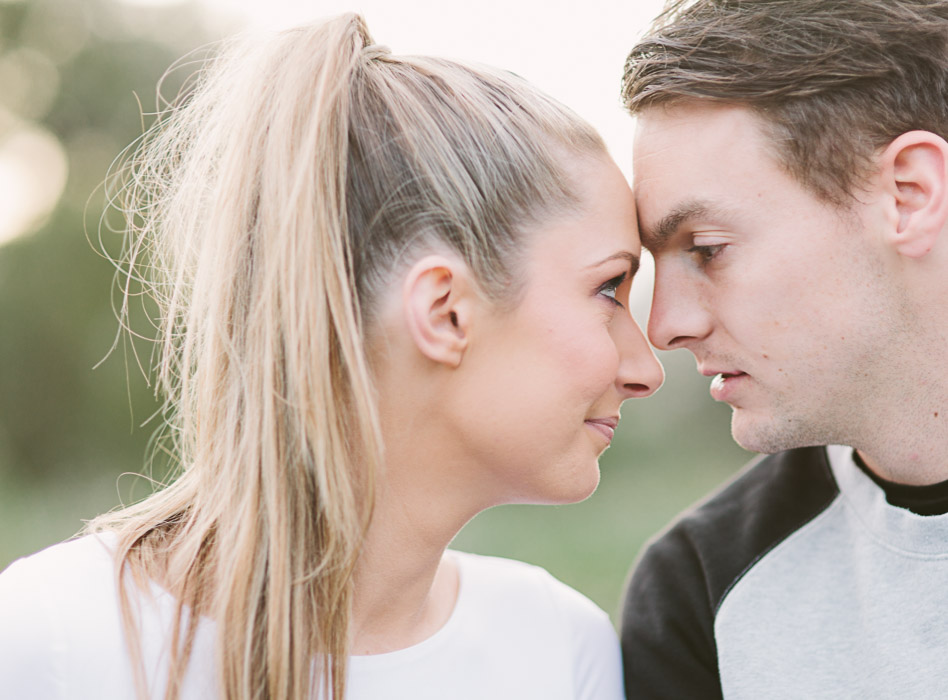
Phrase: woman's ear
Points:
(914, 172)
(437, 297)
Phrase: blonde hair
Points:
(267, 210)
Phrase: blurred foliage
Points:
(82, 70)
(78, 69)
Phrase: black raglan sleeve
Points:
(668, 644)
(667, 632)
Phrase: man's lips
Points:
(724, 384)
(605, 426)
(712, 371)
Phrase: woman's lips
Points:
(604, 426)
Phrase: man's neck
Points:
(912, 463)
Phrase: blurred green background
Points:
(72, 73)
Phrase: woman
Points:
(391, 296)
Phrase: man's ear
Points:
(914, 172)
(437, 298)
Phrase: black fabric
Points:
(683, 576)
(931, 499)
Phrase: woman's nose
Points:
(640, 373)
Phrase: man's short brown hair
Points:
(833, 81)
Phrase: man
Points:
(791, 174)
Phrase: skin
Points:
(482, 406)
(822, 321)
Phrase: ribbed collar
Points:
(931, 499)
(925, 535)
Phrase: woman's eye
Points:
(610, 288)
(706, 253)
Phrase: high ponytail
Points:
(267, 211)
(244, 243)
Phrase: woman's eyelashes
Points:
(610, 288)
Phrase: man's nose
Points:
(679, 316)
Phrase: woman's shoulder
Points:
(524, 608)
(58, 608)
(61, 629)
(62, 570)
(86, 555)
(74, 570)
(533, 600)
(522, 584)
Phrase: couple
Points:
(392, 295)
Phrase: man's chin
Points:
(770, 434)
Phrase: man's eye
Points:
(705, 253)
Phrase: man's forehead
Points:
(677, 133)
(697, 161)
(694, 115)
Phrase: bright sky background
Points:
(572, 49)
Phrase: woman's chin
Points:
(577, 487)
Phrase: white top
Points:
(516, 632)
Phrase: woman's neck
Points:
(405, 586)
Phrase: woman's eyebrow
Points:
(634, 261)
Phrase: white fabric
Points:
(851, 605)
(516, 632)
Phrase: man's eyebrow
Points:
(655, 238)
(634, 261)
